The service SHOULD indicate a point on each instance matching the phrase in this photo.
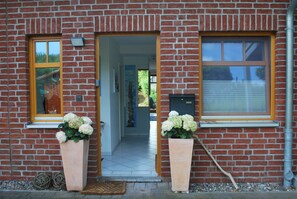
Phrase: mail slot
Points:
(182, 103)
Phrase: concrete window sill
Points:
(49, 125)
(241, 124)
(43, 125)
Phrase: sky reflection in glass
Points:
(211, 51)
(40, 52)
(233, 51)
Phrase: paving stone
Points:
(150, 185)
(105, 196)
(117, 197)
(90, 196)
(130, 185)
(163, 185)
(139, 186)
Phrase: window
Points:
(153, 92)
(45, 74)
(143, 88)
(236, 77)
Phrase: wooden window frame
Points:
(268, 63)
(35, 117)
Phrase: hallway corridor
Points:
(135, 156)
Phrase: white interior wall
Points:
(122, 102)
(109, 99)
(105, 96)
(114, 61)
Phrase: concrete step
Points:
(130, 178)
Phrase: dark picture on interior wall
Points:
(116, 81)
(130, 95)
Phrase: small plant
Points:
(74, 128)
(179, 126)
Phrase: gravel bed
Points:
(242, 187)
(20, 185)
(16, 185)
(201, 187)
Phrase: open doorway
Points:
(128, 97)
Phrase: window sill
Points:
(42, 125)
(239, 124)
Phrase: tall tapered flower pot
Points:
(180, 154)
(75, 163)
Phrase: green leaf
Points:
(69, 133)
(60, 126)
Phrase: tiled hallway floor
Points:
(135, 156)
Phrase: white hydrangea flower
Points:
(86, 129)
(193, 126)
(87, 120)
(69, 116)
(190, 126)
(167, 125)
(186, 126)
(177, 121)
(187, 117)
(61, 136)
(75, 122)
(173, 113)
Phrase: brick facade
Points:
(250, 154)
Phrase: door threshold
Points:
(130, 178)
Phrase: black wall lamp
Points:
(77, 41)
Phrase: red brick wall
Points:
(250, 154)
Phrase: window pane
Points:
(143, 88)
(254, 51)
(211, 51)
(40, 52)
(153, 78)
(233, 51)
(153, 92)
(48, 99)
(54, 51)
(234, 90)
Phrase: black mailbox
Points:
(182, 103)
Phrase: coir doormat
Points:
(105, 188)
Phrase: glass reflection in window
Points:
(40, 52)
(234, 89)
(48, 99)
(254, 51)
(54, 51)
(233, 51)
(211, 51)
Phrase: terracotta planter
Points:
(75, 164)
(180, 153)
